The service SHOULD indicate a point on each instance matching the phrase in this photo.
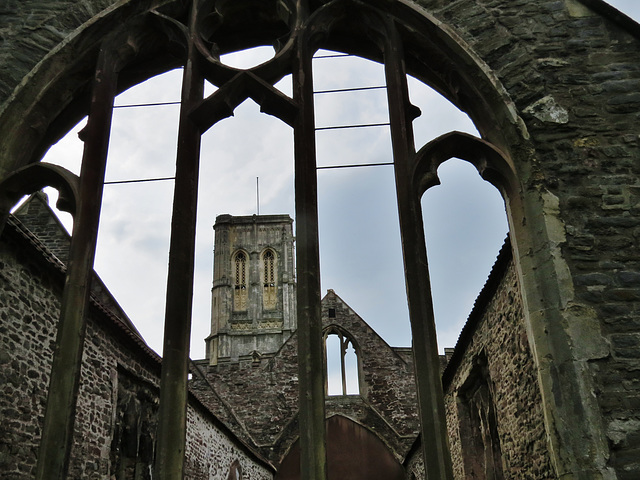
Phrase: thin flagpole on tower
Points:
(258, 195)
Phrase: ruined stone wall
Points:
(118, 396)
(387, 384)
(26, 301)
(263, 394)
(502, 338)
(258, 399)
(573, 73)
(498, 335)
(210, 454)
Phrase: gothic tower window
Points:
(269, 289)
(240, 292)
(342, 365)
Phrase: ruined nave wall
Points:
(494, 350)
(118, 397)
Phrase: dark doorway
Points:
(353, 452)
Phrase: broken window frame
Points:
(478, 424)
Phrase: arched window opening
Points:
(240, 291)
(344, 194)
(351, 371)
(334, 372)
(342, 369)
(269, 287)
(235, 471)
(347, 352)
(465, 226)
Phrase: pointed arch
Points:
(235, 471)
(240, 269)
(35, 177)
(353, 452)
(492, 164)
(269, 273)
(341, 362)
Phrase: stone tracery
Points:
(535, 241)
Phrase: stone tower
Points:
(253, 295)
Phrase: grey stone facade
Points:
(493, 350)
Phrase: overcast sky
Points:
(361, 257)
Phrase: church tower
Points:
(253, 309)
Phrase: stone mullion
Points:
(313, 459)
(435, 447)
(57, 434)
(172, 415)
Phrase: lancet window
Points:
(269, 287)
(235, 471)
(240, 290)
(342, 365)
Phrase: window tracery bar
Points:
(437, 459)
(313, 459)
(172, 415)
(343, 352)
(57, 434)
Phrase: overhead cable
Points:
(362, 125)
(159, 104)
(142, 180)
(327, 167)
(354, 89)
(333, 55)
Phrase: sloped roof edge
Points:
(123, 328)
(484, 297)
(610, 12)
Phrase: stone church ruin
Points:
(543, 382)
